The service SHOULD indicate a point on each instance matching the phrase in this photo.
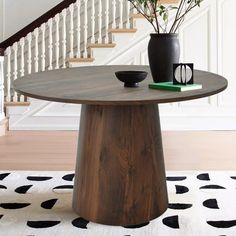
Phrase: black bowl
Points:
(131, 78)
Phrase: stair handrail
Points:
(36, 23)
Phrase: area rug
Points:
(39, 204)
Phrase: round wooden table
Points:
(120, 173)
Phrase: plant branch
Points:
(177, 14)
(187, 11)
(139, 9)
(157, 14)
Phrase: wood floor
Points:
(28, 150)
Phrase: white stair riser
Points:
(102, 54)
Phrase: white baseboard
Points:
(43, 115)
(208, 123)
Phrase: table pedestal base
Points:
(120, 174)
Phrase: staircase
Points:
(103, 32)
(71, 36)
(83, 33)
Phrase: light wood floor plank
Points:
(56, 150)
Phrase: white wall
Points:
(1, 20)
(1, 92)
(15, 14)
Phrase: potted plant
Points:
(163, 48)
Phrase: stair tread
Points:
(137, 16)
(88, 59)
(124, 30)
(101, 45)
(16, 103)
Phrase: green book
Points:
(174, 87)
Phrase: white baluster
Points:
(114, 14)
(2, 116)
(43, 56)
(93, 22)
(22, 62)
(29, 60)
(85, 28)
(22, 58)
(128, 15)
(50, 45)
(36, 50)
(100, 21)
(8, 53)
(71, 9)
(15, 72)
(121, 14)
(57, 43)
(64, 38)
(107, 21)
(78, 30)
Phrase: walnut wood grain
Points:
(120, 173)
(98, 85)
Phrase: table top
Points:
(98, 85)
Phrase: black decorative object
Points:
(183, 73)
(131, 78)
(163, 52)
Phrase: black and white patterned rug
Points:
(39, 204)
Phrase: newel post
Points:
(2, 115)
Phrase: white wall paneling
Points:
(1, 89)
(2, 115)
(44, 115)
(2, 20)
(227, 49)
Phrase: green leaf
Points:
(165, 16)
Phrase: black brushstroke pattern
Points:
(181, 189)
(39, 178)
(179, 206)
(14, 206)
(136, 226)
(68, 177)
(64, 187)
(23, 189)
(1, 217)
(211, 203)
(222, 224)
(42, 224)
(176, 178)
(204, 176)
(80, 223)
(233, 177)
(212, 186)
(4, 175)
(3, 187)
(49, 204)
(171, 221)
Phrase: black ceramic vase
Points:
(163, 52)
